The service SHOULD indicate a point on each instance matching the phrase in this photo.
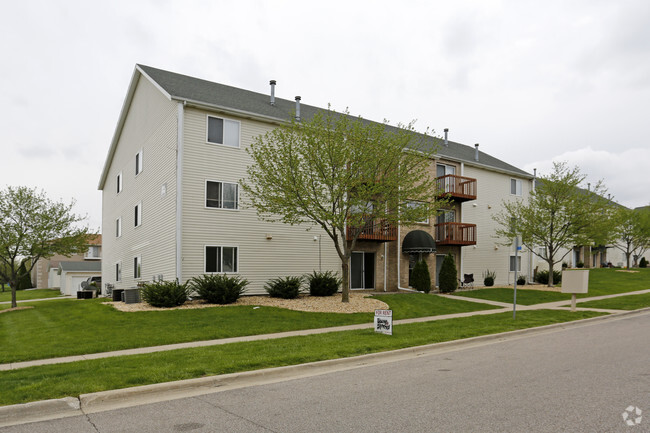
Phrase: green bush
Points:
(489, 277)
(643, 263)
(420, 277)
(448, 275)
(323, 283)
(285, 288)
(24, 282)
(219, 288)
(521, 280)
(542, 277)
(580, 265)
(165, 294)
(565, 265)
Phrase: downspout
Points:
(179, 191)
(385, 264)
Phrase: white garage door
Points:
(76, 285)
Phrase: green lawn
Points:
(524, 296)
(71, 327)
(608, 281)
(72, 379)
(632, 302)
(22, 295)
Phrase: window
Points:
(515, 186)
(137, 217)
(223, 131)
(138, 162)
(221, 259)
(118, 227)
(119, 182)
(221, 195)
(415, 204)
(92, 253)
(515, 267)
(447, 216)
(137, 267)
(118, 271)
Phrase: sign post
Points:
(384, 321)
(575, 281)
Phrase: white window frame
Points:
(118, 271)
(510, 263)
(137, 215)
(223, 133)
(205, 201)
(443, 213)
(120, 185)
(413, 203)
(138, 163)
(220, 271)
(518, 187)
(137, 267)
(118, 227)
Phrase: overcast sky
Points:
(532, 82)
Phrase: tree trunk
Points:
(345, 285)
(13, 295)
(550, 273)
(627, 259)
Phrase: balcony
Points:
(455, 234)
(458, 188)
(378, 231)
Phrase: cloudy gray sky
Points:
(532, 82)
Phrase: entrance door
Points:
(439, 260)
(362, 270)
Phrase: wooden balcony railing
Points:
(378, 230)
(458, 188)
(455, 234)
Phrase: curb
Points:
(127, 397)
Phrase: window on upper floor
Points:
(515, 263)
(138, 163)
(221, 259)
(515, 187)
(137, 216)
(118, 271)
(223, 131)
(446, 216)
(92, 253)
(137, 267)
(415, 204)
(221, 195)
(119, 182)
(118, 227)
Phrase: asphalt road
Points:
(570, 380)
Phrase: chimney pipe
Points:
(588, 186)
(272, 83)
(476, 153)
(535, 173)
(446, 142)
(298, 108)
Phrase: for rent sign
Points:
(384, 321)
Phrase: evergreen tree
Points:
(448, 275)
(420, 277)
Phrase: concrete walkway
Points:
(39, 299)
(505, 307)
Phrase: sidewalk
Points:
(505, 307)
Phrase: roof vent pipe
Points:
(446, 142)
(298, 108)
(476, 153)
(588, 186)
(535, 173)
(272, 83)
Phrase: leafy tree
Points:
(25, 281)
(632, 232)
(420, 277)
(33, 227)
(342, 173)
(448, 275)
(557, 216)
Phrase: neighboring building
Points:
(72, 274)
(45, 273)
(172, 205)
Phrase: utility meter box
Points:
(575, 281)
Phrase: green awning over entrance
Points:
(418, 241)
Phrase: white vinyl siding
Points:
(222, 131)
(221, 195)
(221, 259)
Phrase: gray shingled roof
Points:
(192, 89)
(94, 266)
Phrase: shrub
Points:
(542, 277)
(521, 280)
(285, 288)
(420, 277)
(323, 283)
(219, 289)
(580, 265)
(448, 275)
(489, 277)
(565, 265)
(165, 294)
(643, 263)
(24, 282)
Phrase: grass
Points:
(73, 379)
(609, 281)
(631, 302)
(71, 327)
(22, 295)
(524, 296)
